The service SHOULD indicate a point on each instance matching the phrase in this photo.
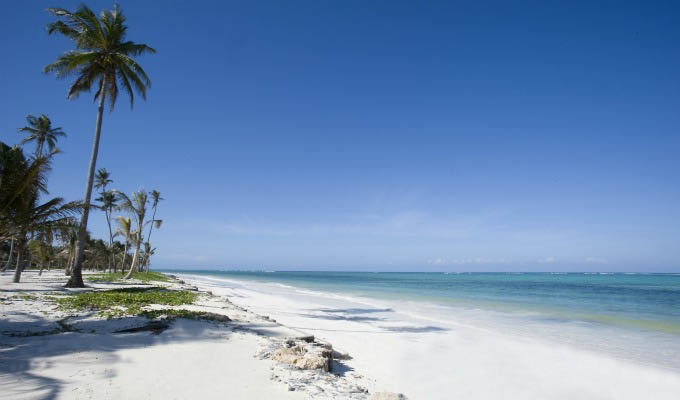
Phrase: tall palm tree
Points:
(103, 59)
(137, 206)
(108, 200)
(155, 199)
(40, 131)
(125, 224)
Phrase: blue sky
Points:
(383, 134)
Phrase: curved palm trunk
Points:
(19, 267)
(76, 280)
(134, 260)
(148, 238)
(9, 258)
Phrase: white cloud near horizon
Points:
(403, 239)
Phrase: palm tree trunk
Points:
(38, 150)
(134, 260)
(19, 268)
(76, 280)
(148, 238)
(9, 258)
(108, 221)
(122, 264)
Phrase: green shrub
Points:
(142, 276)
(127, 301)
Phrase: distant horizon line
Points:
(201, 269)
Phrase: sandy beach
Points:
(46, 353)
(377, 347)
(430, 356)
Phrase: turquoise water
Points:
(646, 302)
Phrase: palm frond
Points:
(102, 58)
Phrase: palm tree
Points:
(22, 182)
(19, 177)
(42, 250)
(125, 224)
(137, 206)
(148, 252)
(155, 199)
(13, 180)
(40, 131)
(67, 236)
(103, 59)
(108, 200)
(103, 179)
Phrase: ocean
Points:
(629, 316)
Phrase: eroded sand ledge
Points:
(50, 353)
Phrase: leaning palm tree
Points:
(125, 224)
(103, 59)
(155, 199)
(137, 206)
(40, 131)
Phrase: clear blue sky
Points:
(383, 134)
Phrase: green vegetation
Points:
(39, 232)
(24, 215)
(129, 301)
(142, 276)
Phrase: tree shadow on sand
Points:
(22, 358)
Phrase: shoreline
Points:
(447, 357)
(47, 352)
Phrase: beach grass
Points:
(150, 276)
(128, 301)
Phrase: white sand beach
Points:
(46, 353)
(380, 346)
(425, 357)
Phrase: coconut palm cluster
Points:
(39, 231)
